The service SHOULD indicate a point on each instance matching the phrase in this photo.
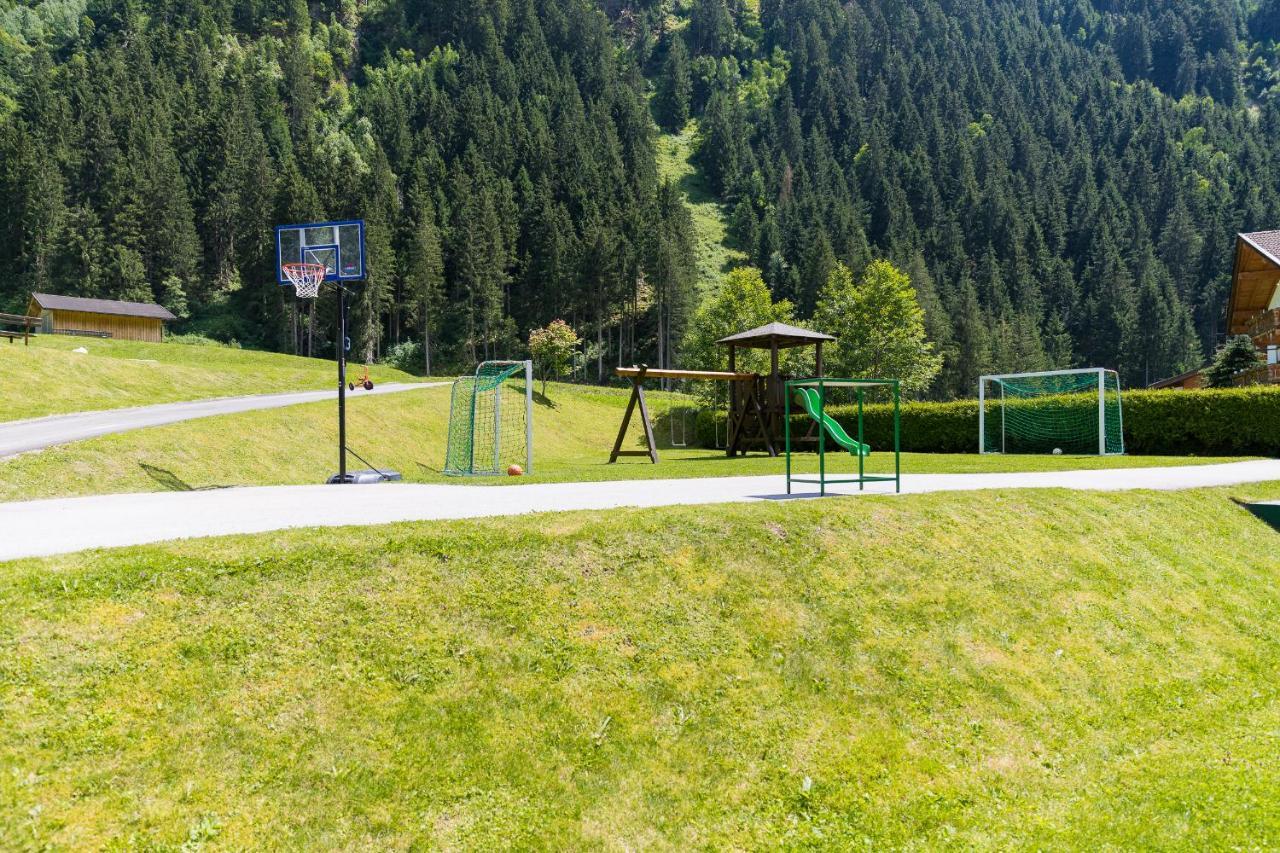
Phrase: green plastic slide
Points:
(808, 397)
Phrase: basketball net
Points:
(305, 278)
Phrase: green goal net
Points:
(1061, 411)
(491, 420)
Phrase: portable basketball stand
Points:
(307, 256)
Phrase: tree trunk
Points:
(426, 338)
(600, 350)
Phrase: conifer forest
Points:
(1061, 181)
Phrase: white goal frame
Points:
(1099, 372)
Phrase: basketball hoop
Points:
(305, 278)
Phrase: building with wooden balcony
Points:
(1253, 308)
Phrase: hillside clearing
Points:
(575, 427)
(714, 257)
(48, 378)
(884, 671)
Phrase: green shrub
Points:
(195, 340)
(1209, 422)
(406, 356)
(1219, 421)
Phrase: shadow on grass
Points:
(798, 496)
(167, 479)
(171, 482)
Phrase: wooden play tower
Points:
(765, 431)
(756, 414)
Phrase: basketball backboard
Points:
(339, 246)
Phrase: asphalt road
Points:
(39, 433)
(65, 525)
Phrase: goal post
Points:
(1053, 411)
(491, 420)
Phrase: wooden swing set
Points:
(756, 415)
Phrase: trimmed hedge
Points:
(1207, 422)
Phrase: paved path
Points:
(39, 433)
(65, 525)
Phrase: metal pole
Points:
(528, 417)
(982, 414)
(497, 427)
(861, 468)
(1102, 413)
(897, 439)
(786, 427)
(1120, 413)
(342, 383)
(1003, 430)
(822, 439)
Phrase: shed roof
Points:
(53, 302)
(1173, 381)
(779, 334)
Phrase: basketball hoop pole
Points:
(342, 383)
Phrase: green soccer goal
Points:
(1056, 411)
(491, 420)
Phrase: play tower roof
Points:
(773, 335)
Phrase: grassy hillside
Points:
(991, 671)
(48, 378)
(574, 432)
(709, 218)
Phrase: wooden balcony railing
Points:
(1267, 374)
(1264, 323)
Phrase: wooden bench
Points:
(27, 323)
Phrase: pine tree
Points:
(675, 88)
(1233, 358)
(423, 272)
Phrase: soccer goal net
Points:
(491, 420)
(1058, 411)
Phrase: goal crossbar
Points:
(1072, 372)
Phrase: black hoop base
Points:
(359, 478)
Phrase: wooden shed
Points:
(106, 318)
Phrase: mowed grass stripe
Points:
(996, 670)
(48, 378)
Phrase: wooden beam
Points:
(1272, 274)
(27, 323)
(637, 394)
(664, 373)
(1252, 259)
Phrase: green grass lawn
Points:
(1026, 670)
(48, 378)
(574, 432)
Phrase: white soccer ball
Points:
(1057, 451)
